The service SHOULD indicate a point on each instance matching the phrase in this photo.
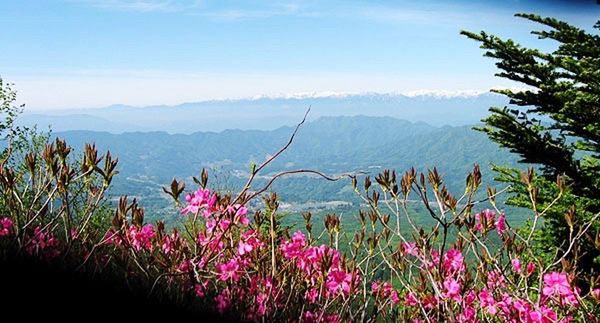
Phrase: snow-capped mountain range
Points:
(269, 112)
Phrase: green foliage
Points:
(334, 145)
(556, 124)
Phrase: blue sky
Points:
(93, 53)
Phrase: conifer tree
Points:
(554, 123)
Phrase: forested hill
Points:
(149, 160)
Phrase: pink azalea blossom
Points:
(185, 266)
(294, 248)
(249, 241)
(200, 289)
(453, 261)
(487, 302)
(409, 248)
(410, 299)
(6, 226)
(312, 317)
(469, 314)
(229, 270)
(331, 318)
(309, 317)
(548, 315)
(43, 243)
(224, 224)
(430, 302)
(338, 281)
(201, 199)
(557, 285)
(394, 298)
(168, 245)
(596, 293)
(470, 297)
(112, 237)
(516, 264)
(501, 226)
(74, 234)
(141, 238)
(495, 279)
(535, 316)
(211, 240)
(223, 301)
(484, 220)
(261, 301)
(385, 291)
(311, 295)
(452, 289)
(239, 213)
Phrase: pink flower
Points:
(495, 279)
(505, 304)
(452, 289)
(469, 314)
(516, 263)
(311, 295)
(168, 245)
(331, 318)
(409, 248)
(394, 298)
(224, 224)
(239, 214)
(6, 226)
(74, 234)
(141, 238)
(229, 270)
(453, 261)
(535, 316)
(488, 302)
(530, 268)
(200, 289)
(338, 282)
(112, 237)
(185, 266)
(223, 301)
(294, 248)
(501, 226)
(410, 299)
(596, 294)
(375, 287)
(309, 317)
(210, 239)
(249, 242)
(201, 199)
(484, 220)
(557, 285)
(470, 297)
(42, 243)
(261, 301)
(430, 302)
(385, 291)
(549, 315)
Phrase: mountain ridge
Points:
(267, 113)
(333, 145)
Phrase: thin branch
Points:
(270, 159)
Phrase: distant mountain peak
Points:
(341, 95)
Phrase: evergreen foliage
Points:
(555, 124)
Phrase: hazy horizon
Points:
(63, 54)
